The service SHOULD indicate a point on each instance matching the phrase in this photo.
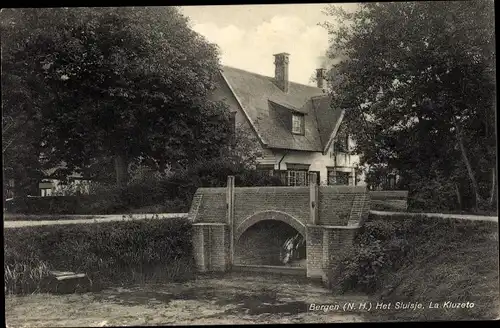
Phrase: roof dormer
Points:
(298, 123)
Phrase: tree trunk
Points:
(475, 188)
(459, 197)
(121, 171)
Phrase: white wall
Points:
(82, 186)
(316, 160)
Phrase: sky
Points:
(249, 35)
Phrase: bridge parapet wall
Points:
(249, 201)
(342, 205)
(209, 205)
(337, 205)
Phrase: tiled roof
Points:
(270, 110)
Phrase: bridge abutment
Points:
(211, 247)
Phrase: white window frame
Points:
(297, 124)
(336, 177)
(45, 192)
(296, 176)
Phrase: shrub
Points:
(151, 193)
(419, 259)
(108, 252)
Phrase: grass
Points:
(110, 253)
(429, 259)
(24, 278)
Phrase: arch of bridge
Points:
(269, 215)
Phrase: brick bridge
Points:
(326, 216)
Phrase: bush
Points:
(170, 193)
(108, 252)
(420, 259)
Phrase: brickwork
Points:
(339, 241)
(291, 200)
(336, 204)
(213, 205)
(211, 247)
(195, 204)
(199, 252)
(314, 251)
(219, 251)
(269, 215)
(328, 217)
(262, 243)
(359, 210)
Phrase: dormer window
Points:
(298, 124)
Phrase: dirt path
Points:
(238, 298)
(79, 219)
(439, 215)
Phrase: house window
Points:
(336, 178)
(266, 169)
(297, 177)
(45, 192)
(298, 124)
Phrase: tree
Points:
(127, 83)
(21, 115)
(417, 80)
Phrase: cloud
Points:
(253, 49)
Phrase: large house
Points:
(296, 128)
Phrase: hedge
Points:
(109, 253)
(169, 195)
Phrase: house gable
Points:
(336, 128)
(270, 110)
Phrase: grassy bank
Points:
(418, 259)
(110, 253)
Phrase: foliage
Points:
(110, 252)
(417, 80)
(420, 259)
(147, 192)
(127, 83)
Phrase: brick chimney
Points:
(320, 77)
(281, 70)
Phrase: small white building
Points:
(51, 185)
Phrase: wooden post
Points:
(313, 195)
(230, 217)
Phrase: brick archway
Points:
(269, 215)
